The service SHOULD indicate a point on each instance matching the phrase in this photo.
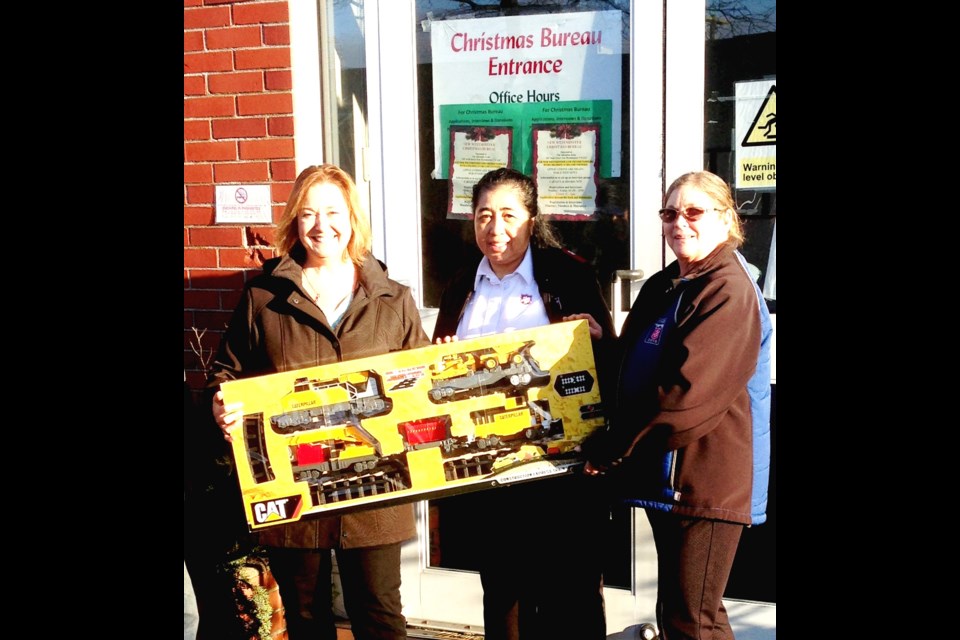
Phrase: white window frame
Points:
(666, 123)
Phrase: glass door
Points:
(367, 95)
(650, 90)
(740, 139)
(490, 70)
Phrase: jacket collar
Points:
(373, 277)
(712, 262)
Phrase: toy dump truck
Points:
(506, 368)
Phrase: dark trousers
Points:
(694, 558)
(370, 577)
(526, 602)
(541, 559)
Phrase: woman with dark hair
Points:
(540, 544)
(325, 299)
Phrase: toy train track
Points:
(334, 490)
(472, 465)
(257, 448)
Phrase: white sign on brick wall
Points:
(244, 204)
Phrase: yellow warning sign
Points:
(761, 172)
(763, 131)
(756, 134)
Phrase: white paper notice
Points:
(474, 151)
(244, 204)
(565, 169)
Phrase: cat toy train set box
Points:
(416, 424)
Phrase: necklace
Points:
(314, 291)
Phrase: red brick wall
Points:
(237, 128)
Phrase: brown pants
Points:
(371, 591)
(694, 558)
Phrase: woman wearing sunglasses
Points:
(690, 438)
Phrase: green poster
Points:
(522, 118)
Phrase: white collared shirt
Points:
(503, 305)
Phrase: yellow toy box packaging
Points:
(416, 424)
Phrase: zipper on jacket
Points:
(552, 306)
(674, 455)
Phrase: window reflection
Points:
(448, 245)
(742, 46)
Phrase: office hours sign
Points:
(523, 73)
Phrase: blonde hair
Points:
(719, 191)
(288, 235)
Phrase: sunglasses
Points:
(692, 214)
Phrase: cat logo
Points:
(272, 511)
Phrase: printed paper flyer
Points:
(474, 151)
(565, 169)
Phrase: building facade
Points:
(389, 89)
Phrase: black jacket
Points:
(567, 285)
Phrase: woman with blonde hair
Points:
(325, 299)
(690, 435)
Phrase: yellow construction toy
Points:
(415, 424)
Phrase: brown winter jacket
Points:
(276, 327)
